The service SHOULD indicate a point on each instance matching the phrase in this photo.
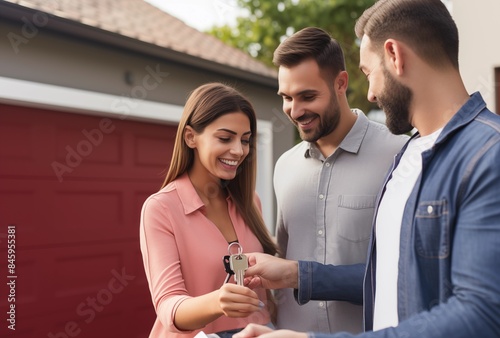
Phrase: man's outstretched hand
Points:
(270, 272)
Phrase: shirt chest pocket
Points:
(355, 216)
(432, 229)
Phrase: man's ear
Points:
(395, 56)
(190, 137)
(342, 81)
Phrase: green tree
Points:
(270, 21)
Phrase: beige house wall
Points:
(478, 23)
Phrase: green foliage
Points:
(270, 21)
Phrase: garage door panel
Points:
(90, 285)
(85, 146)
(148, 149)
(73, 146)
(68, 275)
(143, 314)
(78, 231)
(87, 323)
(83, 272)
(25, 204)
(16, 205)
(110, 317)
(141, 196)
(75, 212)
(25, 282)
(137, 269)
(95, 212)
(15, 142)
(76, 215)
(28, 330)
(86, 213)
(90, 324)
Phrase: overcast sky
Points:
(201, 14)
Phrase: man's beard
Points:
(395, 102)
(328, 122)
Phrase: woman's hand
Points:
(230, 300)
(238, 301)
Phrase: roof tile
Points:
(142, 21)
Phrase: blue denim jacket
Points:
(449, 265)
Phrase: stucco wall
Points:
(479, 29)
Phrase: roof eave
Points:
(77, 29)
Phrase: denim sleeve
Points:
(330, 282)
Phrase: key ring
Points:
(240, 248)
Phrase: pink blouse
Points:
(182, 252)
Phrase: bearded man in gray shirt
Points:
(325, 186)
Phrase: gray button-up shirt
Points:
(325, 211)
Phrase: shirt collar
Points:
(190, 199)
(351, 142)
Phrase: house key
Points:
(238, 263)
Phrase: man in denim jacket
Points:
(434, 260)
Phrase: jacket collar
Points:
(467, 113)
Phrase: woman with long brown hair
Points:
(206, 202)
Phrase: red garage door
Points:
(71, 189)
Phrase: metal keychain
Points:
(235, 261)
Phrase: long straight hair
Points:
(205, 104)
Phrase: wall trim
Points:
(72, 100)
(265, 166)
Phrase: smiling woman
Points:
(207, 201)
